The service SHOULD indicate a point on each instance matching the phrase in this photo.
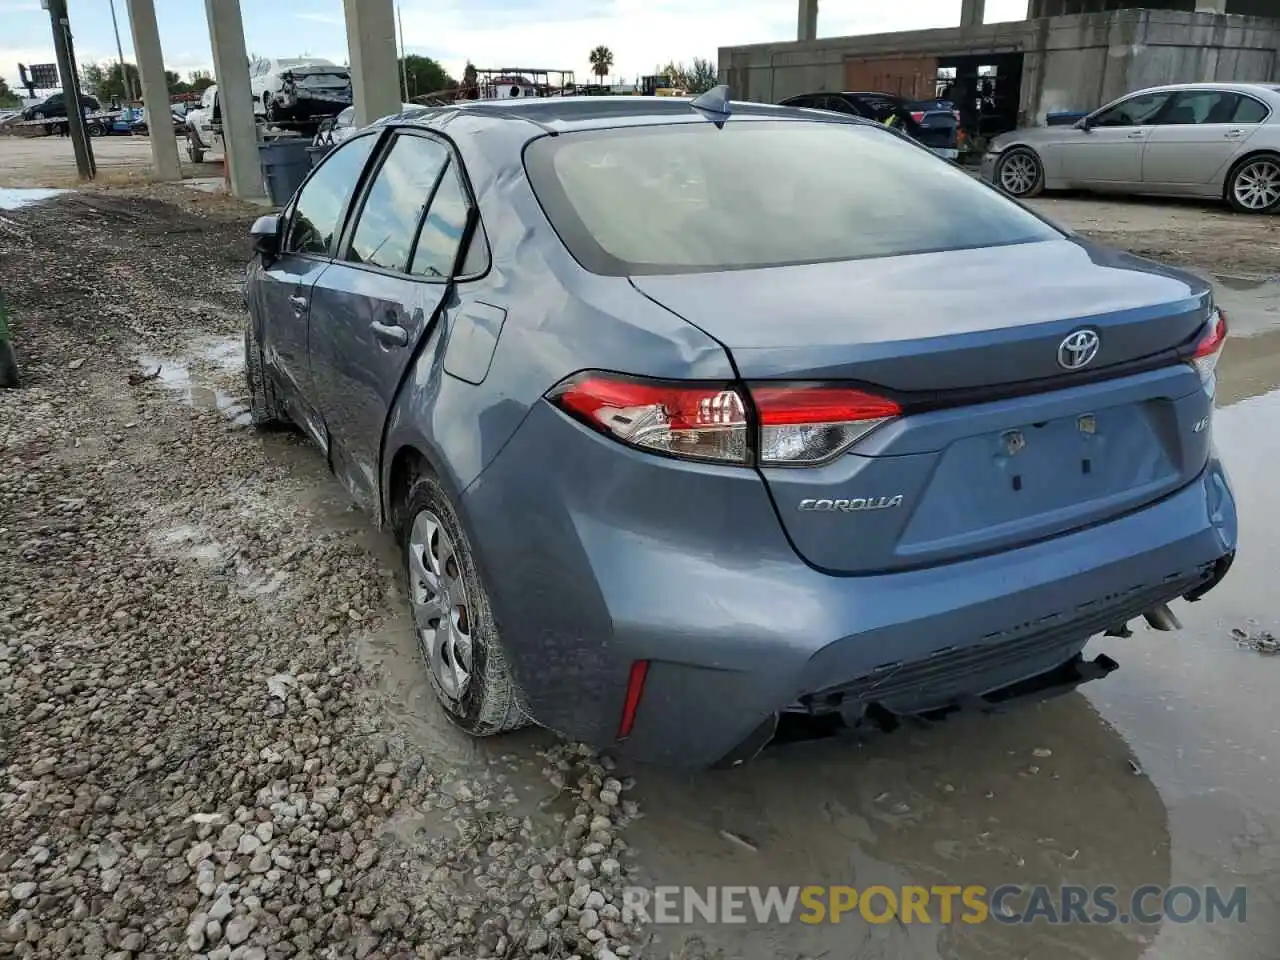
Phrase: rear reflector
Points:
(1209, 349)
(635, 690)
(786, 424)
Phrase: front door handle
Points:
(1137, 135)
(393, 335)
(299, 303)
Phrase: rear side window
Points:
(318, 208)
(442, 231)
(1249, 111)
(684, 198)
(393, 209)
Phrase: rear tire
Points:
(194, 150)
(452, 620)
(1020, 173)
(265, 411)
(1253, 186)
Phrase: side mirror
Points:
(1083, 124)
(266, 235)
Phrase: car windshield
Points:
(683, 198)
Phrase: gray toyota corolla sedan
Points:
(693, 415)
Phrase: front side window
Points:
(389, 220)
(686, 197)
(1135, 112)
(322, 201)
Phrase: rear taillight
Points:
(1209, 349)
(783, 424)
(698, 421)
(803, 424)
(917, 116)
(956, 113)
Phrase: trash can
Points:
(317, 151)
(285, 164)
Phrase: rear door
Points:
(1199, 135)
(1109, 153)
(311, 231)
(372, 307)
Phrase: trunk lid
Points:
(998, 445)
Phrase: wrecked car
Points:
(299, 88)
(690, 416)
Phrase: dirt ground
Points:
(51, 162)
(1206, 236)
(217, 740)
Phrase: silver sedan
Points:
(1218, 140)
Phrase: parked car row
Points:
(933, 123)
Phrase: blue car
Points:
(691, 416)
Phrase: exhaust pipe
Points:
(1162, 618)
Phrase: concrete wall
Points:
(1084, 61)
(1071, 63)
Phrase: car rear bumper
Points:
(596, 556)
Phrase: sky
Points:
(546, 34)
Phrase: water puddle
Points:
(180, 375)
(1253, 305)
(15, 198)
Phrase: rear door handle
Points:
(1234, 134)
(1138, 135)
(393, 335)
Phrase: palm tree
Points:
(601, 61)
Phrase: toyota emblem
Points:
(1078, 350)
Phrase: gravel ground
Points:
(196, 760)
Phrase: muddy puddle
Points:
(15, 198)
(1252, 304)
(202, 375)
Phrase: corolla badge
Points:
(852, 505)
(1078, 350)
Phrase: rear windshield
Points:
(685, 198)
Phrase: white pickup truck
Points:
(204, 127)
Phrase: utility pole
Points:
(62, 46)
(404, 75)
(124, 74)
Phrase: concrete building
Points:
(1069, 54)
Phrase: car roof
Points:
(557, 114)
(1269, 90)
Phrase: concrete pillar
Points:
(1211, 6)
(807, 27)
(371, 43)
(155, 90)
(972, 12)
(235, 101)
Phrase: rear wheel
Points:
(194, 150)
(1019, 173)
(1254, 185)
(96, 130)
(264, 406)
(454, 628)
